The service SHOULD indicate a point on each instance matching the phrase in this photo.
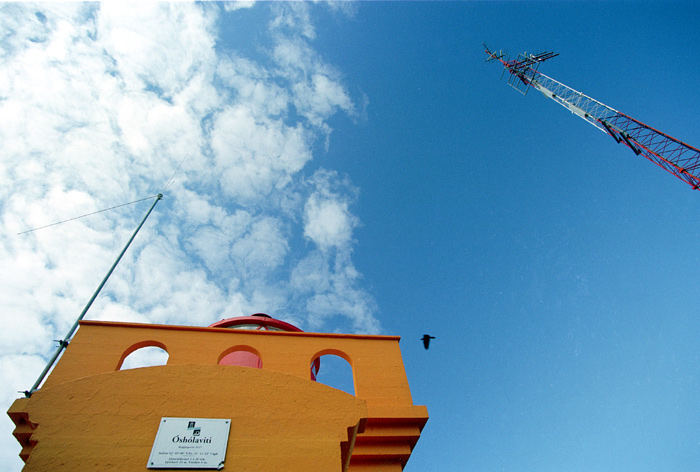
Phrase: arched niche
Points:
(143, 354)
(244, 356)
(333, 367)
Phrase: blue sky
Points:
(556, 270)
(358, 167)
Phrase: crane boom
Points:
(672, 155)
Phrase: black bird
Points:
(426, 340)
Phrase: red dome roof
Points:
(255, 322)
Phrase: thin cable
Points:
(176, 170)
(88, 214)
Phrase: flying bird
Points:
(426, 340)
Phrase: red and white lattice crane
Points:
(672, 155)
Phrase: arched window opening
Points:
(147, 356)
(334, 371)
(244, 356)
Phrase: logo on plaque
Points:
(190, 443)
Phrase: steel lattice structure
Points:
(672, 155)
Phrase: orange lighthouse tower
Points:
(238, 395)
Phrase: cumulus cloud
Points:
(327, 218)
(99, 104)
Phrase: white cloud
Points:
(294, 17)
(231, 5)
(99, 104)
(256, 156)
(329, 287)
(315, 87)
(158, 44)
(328, 221)
(252, 84)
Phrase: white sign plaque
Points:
(190, 443)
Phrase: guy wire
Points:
(112, 208)
(176, 170)
(87, 214)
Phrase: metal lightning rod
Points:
(63, 343)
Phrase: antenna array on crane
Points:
(672, 155)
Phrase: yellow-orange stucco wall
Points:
(89, 415)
